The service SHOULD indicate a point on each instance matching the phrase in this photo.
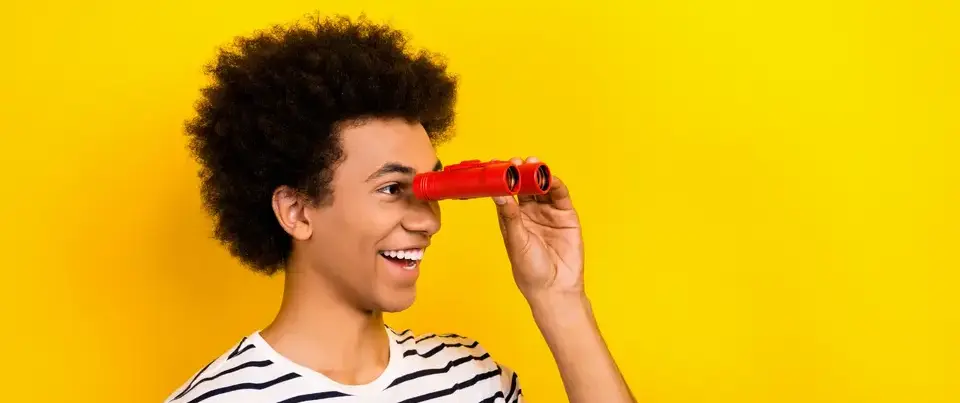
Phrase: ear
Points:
(290, 209)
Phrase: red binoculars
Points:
(475, 179)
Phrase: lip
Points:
(383, 255)
(401, 273)
(418, 246)
(398, 264)
(411, 247)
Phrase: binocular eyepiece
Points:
(475, 179)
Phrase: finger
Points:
(511, 224)
(559, 195)
(526, 199)
(523, 200)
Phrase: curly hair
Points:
(272, 113)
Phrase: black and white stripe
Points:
(244, 386)
(238, 349)
(434, 371)
(437, 349)
(428, 337)
(458, 386)
(248, 364)
(505, 397)
(312, 397)
(432, 368)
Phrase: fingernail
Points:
(500, 200)
(532, 159)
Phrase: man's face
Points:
(368, 242)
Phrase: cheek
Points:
(359, 228)
(378, 221)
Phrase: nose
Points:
(423, 217)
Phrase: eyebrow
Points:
(396, 167)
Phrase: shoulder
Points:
(460, 361)
(241, 368)
(440, 346)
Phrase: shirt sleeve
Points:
(510, 385)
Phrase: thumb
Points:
(511, 225)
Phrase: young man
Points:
(309, 138)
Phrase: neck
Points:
(318, 329)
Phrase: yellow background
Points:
(769, 189)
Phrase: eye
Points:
(391, 189)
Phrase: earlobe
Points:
(289, 208)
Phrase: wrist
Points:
(567, 325)
(561, 308)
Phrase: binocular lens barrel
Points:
(475, 179)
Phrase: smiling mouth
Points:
(406, 258)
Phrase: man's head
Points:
(308, 138)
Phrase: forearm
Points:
(586, 366)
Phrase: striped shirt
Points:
(430, 368)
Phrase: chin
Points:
(397, 301)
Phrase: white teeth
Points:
(407, 254)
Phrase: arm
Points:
(544, 243)
(586, 366)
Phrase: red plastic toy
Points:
(474, 179)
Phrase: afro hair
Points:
(271, 114)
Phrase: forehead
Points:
(367, 145)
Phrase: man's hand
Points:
(544, 243)
(545, 247)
